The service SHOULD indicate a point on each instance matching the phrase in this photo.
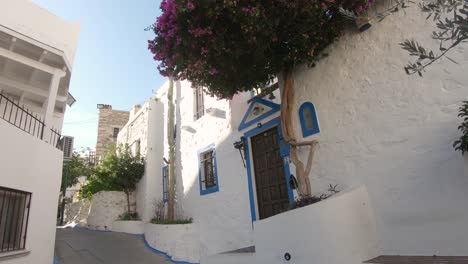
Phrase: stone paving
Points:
(81, 246)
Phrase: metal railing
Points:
(26, 120)
(14, 216)
(56, 138)
(21, 117)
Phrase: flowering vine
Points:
(236, 45)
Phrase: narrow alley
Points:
(77, 246)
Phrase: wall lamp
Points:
(240, 146)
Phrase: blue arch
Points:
(308, 132)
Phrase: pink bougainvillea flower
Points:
(359, 9)
(213, 71)
(190, 5)
(324, 6)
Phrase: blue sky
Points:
(112, 63)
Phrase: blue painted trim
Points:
(249, 180)
(214, 188)
(165, 254)
(274, 109)
(306, 132)
(56, 260)
(284, 152)
(164, 169)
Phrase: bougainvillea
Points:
(236, 45)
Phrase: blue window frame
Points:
(165, 173)
(309, 121)
(207, 170)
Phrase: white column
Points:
(50, 103)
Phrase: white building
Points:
(385, 140)
(37, 50)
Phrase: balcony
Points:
(28, 121)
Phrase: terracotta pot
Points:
(363, 23)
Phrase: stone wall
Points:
(77, 213)
(108, 120)
(100, 212)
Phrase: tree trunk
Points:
(128, 201)
(62, 208)
(170, 140)
(287, 103)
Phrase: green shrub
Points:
(129, 216)
(461, 144)
(173, 222)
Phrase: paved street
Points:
(80, 246)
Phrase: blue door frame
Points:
(284, 151)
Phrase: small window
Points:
(208, 171)
(309, 121)
(198, 103)
(137, 148)
(116, 132)
(14, 214)
(165, 173)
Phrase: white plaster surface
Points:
(29, 19)
(41, 176)
(178, 241)
(106, 207)
(146, 125)
(129, 227)
(338, 230)
(379, 127)
(235, 258)
(393, 133)
(222, 219)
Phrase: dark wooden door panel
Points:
(270, 180)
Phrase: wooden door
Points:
(270, 180)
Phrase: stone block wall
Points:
(108, 120)
(99, 212)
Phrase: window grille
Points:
(116, 132)
(14, 216)
(165, 173)
(198, 106)
(207, 170)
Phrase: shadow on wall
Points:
(222, 219)
(99, 212)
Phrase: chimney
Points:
(134, 110)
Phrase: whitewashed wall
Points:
(379, 128)
(106, 207)
(44, 165)
(338, 230)
(393, 133)
(36, 22)
(219, 229)
(180, 242)
(146, 126)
